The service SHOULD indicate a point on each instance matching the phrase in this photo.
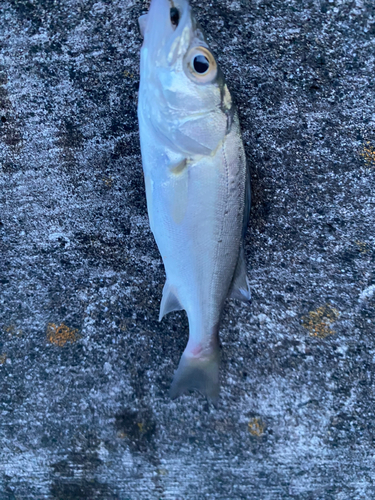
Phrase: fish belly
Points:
(196, 214)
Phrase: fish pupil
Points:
(201, 64)
(175, 16)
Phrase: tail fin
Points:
(199, 372)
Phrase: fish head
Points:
(182, 91)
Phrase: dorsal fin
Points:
(247, 202)
(240, 288)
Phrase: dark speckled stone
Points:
(85, 366)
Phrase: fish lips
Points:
(165, 41)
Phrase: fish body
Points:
(197, 183)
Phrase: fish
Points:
(197, 184)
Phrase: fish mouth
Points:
(165, 24)
(159, 16)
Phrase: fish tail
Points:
(199, 371)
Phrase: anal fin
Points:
(169, 302)
(240, 288)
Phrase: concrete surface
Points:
(84, 364)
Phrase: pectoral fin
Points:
(240, 289)
(169, 302)
(142, 23)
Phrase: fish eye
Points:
(201, 65)
(175, 16)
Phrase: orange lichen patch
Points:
(3, 358)
(60, 335)
(12, 331)
(141, 427)
(108, 181)
(318, 322)
(123, 327)
(363, 247)
(162, 472)
(368, 154)
(127, 74)
(256, 427)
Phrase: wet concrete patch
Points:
(137, 428)
(10, 133)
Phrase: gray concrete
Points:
(84, 407)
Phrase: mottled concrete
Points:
(84, 364)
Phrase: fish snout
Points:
(160, 17)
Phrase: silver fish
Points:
(197, 183)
